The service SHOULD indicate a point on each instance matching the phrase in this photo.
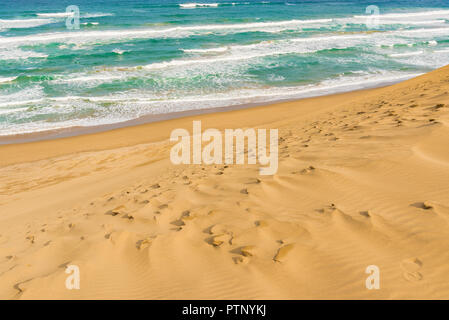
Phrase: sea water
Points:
(131, 58)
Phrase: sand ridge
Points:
(363, 180)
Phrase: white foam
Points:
(407, 15)
(175, 32)
(25, 96)
(23, 23)
(264, 49)
(7, 111)
(236, 56)
(56, 14)
(95, 78)
(7, 79)
(70, 14)
(417, 23)
(130, 105)
(211, 50)
(18, 54)
(233, 53)
(20, 102)
(406, 54)
(96, 15)
(197, 5)
(119, 51)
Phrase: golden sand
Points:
(363, 180)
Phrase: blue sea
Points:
(131, 58)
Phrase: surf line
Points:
(212, 153)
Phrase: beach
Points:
(118, 62)
(363, 180)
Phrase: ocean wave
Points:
(7, 79)
(233, 56)
(406, 54)
(69, 14)
(130, 105)
(119, 51)
(86, 78)
(18, 54)
(361, 80)
(210, 50)
(23, 23)
(290, 46)
(24, 96)
(230, 52)
(428, 59)
(96, 15)
(107, 36)
(197, 5)
(427, 32)
(408, 15)
(237, 57)
(7, 111)
(174, 32)
(55, 14)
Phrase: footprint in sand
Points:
(422, 205)
(178, 223)
(411, 269)
(144, 243)
(30, 238)
(240, 259)
(252, 181)
(186, 215)
(329, 209)
(365, 214)
(219, 239)
(261, 223)
(246, 251)
(112, 213)
(282, 252)
(309, 169)
(436, 107)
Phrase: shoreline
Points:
(152, 118)
(133, 133)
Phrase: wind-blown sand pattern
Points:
(363, 180)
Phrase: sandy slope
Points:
(363, 179)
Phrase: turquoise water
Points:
(137, 57)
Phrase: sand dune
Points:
(363, 180)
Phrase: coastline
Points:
(37, 146)
(150, 118)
